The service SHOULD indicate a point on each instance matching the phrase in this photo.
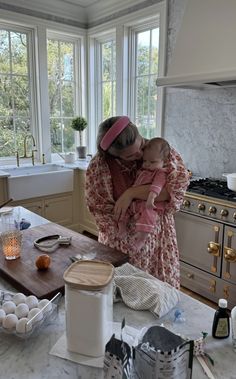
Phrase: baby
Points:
(155, 154)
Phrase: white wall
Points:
(200, 124)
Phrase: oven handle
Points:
(229, 254)
(214, 248)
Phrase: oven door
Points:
(199, 242)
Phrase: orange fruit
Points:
(42, 262)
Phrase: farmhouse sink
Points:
(41, 180)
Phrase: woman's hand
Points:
(122, 204)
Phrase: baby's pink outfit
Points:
(146, 217)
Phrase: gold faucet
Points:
(25, 146)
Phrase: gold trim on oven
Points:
(213, 248)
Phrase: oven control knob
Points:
(201, 207)
(186, 203)
(234, 216)
(212, 210)
(224, 212)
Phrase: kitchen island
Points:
(30, 358)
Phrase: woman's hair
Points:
(126, 138)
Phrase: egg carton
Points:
(46, 315)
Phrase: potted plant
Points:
(79, 124)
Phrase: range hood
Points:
(204, 55)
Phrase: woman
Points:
(109, 178)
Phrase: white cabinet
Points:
(58, 208)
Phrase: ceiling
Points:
(82, 3)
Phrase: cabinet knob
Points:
(230, 254)
(212, 287)
(224, 212)
(190, 276)
(186, 203)
(46, 205)
(212, 210)
(201, 207)
(213, 248)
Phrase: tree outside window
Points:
(61, 78)
(146, 72)
(108, 80)
(15, 91)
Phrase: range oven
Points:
(206, 235)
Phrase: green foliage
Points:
(15, 91)
(79, 124)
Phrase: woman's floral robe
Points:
(160, 255)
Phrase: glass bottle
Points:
(233, 327)
(221, 327)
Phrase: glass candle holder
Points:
(10, 236)
(11, 244)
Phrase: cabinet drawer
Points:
(227, 291)
(199, 281)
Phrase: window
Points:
(125, 56)
(144, 70)
(108, 80)
(62, 78)
(16, 83)
(42, 79)
(105, 74)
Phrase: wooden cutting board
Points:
(23, 274)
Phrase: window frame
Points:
(94, 80)
(77, 67)
(133, 31)
(122, 27)
(32, 76)
(39, 28)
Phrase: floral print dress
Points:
(106, 180)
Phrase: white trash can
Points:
(89, 306)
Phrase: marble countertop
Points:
(79, 164)
(22, 359)
(30, 358)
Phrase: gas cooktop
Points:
(213, 188)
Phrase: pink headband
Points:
(114, 131)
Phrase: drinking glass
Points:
(11, 237)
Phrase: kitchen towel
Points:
(141, 291)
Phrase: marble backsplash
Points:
(200, 124)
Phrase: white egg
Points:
(19, 298)
(22, 310)
(21, 326)
(2, 316)
(43, 303)
(9, 307)
(33, 312)
(10, 321)
(32, 301)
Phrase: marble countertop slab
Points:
(79, 164)
(30, 359)
(19, 212)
